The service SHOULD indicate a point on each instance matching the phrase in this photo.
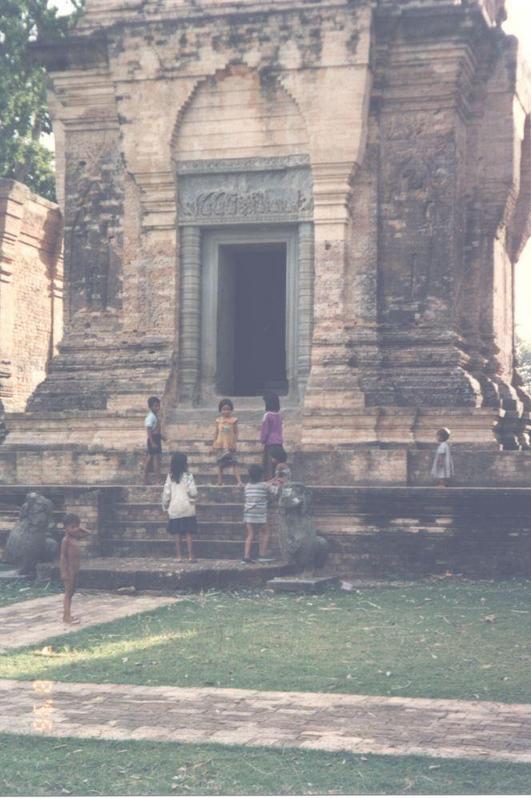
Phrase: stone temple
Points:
(324, 198)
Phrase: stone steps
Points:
(126, 432)
(205, 548)
(150, 512)
(210, 492)
(167, 575)
(229, 530)
(371, 531)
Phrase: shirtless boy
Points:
(70, 560)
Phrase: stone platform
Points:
(384, 447)
(384, 532)
(165, 574)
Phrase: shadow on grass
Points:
(451, 640)
(44, 766)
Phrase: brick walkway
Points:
(28, 622)
(321, 721)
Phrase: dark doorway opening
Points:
(251, 350)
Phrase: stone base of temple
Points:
(165, 575)
(374, 499)
(373, 446)
(372, 532)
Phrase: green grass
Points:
(42, 766)
(445, 639)
(22, 590)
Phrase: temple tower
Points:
(321, 197)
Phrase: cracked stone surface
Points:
(321, 721)
(28, 622)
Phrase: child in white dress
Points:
(443, 465)
(178, 500)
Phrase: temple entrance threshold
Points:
(251, 340)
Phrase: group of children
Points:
(180, 492)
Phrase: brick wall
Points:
(30, 290)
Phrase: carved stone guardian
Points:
(299, 543)
(30, 541)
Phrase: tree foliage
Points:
(24, 115)
(523, 360)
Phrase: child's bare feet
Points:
(72, 620)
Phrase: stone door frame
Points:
(200, 248)
(242, 201)
(213, 241)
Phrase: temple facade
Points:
(324, 198)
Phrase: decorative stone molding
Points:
(229, 165)
(279, 195)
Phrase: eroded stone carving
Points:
(94, 235)
(254, 203)
(30, 541)
(276, 195)
(298, 540)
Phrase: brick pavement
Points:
(28, 622)
(320, 721)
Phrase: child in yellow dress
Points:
(226, 440)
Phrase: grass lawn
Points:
(441, 639)
(42, 766)
(23, 589)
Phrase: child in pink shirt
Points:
(271, 434)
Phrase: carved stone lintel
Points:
(253, 196)
(230, 165)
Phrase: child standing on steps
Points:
(226, 440)
(178, 500)
(257, 492)
(271, 434)
(443, 465)
(154, 440)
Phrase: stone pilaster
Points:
(190, 336)
(305, 302)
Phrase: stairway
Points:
(136, 526)
(132, 547)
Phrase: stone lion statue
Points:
(298, 541)
(31, 541)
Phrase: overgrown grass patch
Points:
(44, 766)
(444, 639)
(23, 589)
